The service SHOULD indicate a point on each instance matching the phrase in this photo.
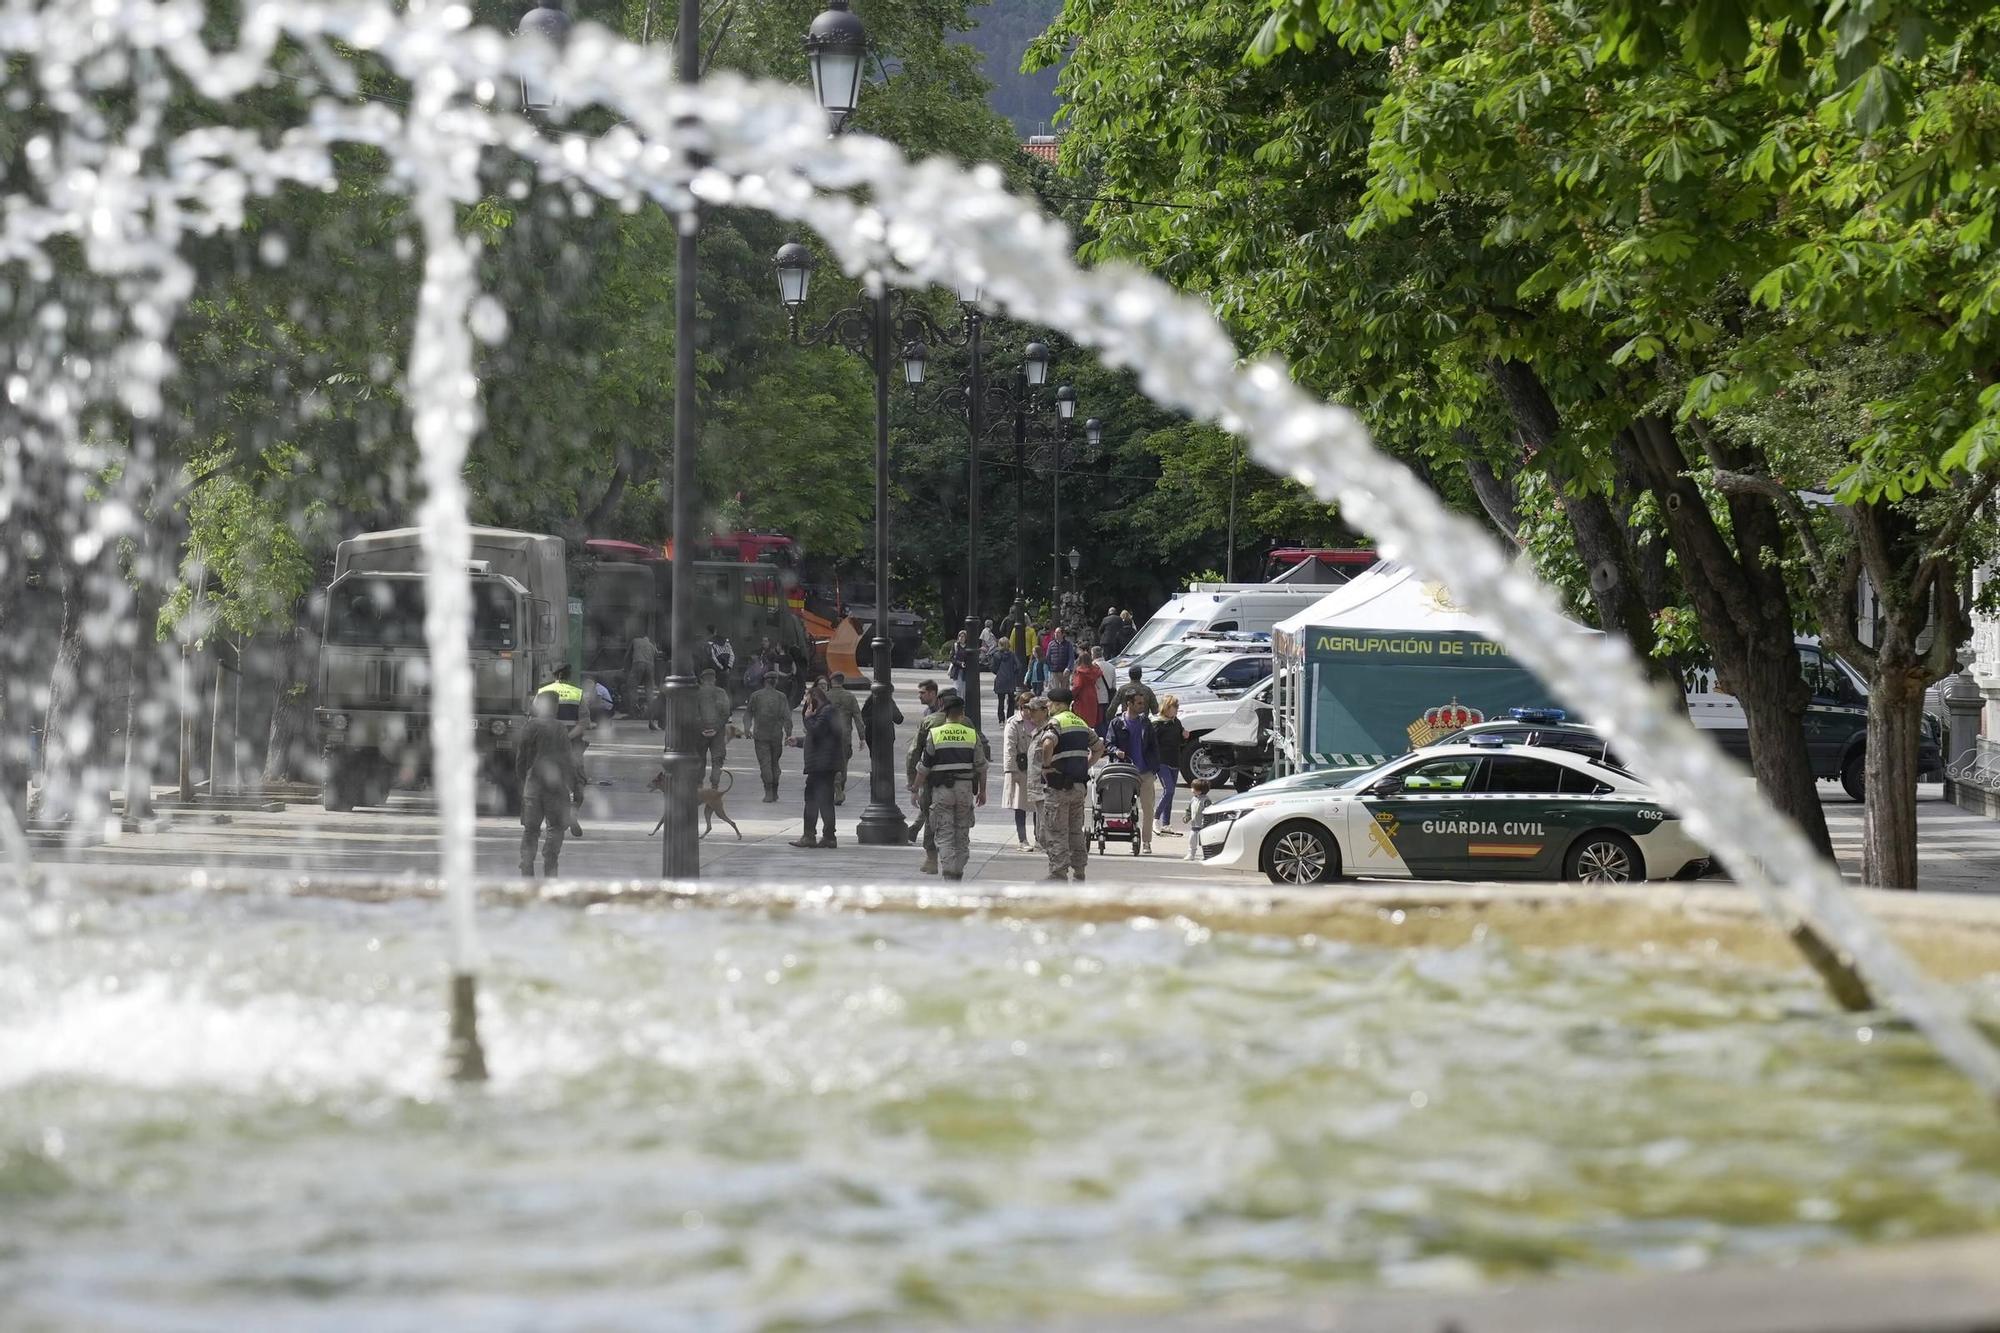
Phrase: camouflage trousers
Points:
(1065, 837)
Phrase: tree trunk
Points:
(1889, 821)
(1740, 598)
(1496, 497)
(291, 753)
(1600, 536)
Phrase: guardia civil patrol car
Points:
(1480, 809)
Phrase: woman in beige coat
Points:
(1023, 792)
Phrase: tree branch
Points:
(721, 35)
(1750, 483)
(1971, 501)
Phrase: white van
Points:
(1218, 607)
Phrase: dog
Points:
(711, 803)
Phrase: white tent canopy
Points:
(1390, 596)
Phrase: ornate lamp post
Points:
(881, 327)
(979, 402)
(1065, 412)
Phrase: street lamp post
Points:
(973, 397)
(680, 847)
(1065, 412)
(882, 326)
(1034, 374)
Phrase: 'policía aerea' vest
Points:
(569, 699)
(954, 750)
(1074, 738)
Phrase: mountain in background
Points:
(1005, 27)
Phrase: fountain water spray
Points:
(765, 147)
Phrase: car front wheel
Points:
(1206, 763)
(1604, 857)
(1300, 852)
(1854, 776)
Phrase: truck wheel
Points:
(376, 780)
(1299, 852)
(1604, 857)
(336, 793)
(1854, 775)
(1206, 763)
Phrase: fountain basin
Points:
(750, 1107)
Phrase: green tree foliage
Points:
(1600, 229)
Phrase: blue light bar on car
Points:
(1538, 714)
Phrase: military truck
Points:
(374, 668)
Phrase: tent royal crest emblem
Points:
(1442, 721)
(1439, 598)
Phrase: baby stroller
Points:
(1114, 805)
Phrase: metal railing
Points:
(1977, 767)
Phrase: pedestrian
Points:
(1084, 685)
(713, 707)
(847, 713)
(868, 718)
(988, 641)
(641, 679)
(962, 662)
(1131, 740)
(1062, 653)
(546, 771)
(769, 713)
(1171, 737)
(1006, 681)
(1197, 803)
(1021, 790)
(1037, 678)
(1133, 685)
(721, 656)
(822, 756)
(576, 722)
(933, 702)
(1014, 628)
(1067, 747)
(952, 768)
(1107, 633)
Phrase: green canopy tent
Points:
(1384, 664)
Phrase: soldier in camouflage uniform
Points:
(1066, 747)
(848, 724)
(546, 768)
(770, 717)
(713, 706)
(952, 768)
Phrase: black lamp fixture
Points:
(795, 269)
(1065, 403)
(548, 22)
(1093, 431)
(1035, 362)
(916, 360)
(837, 48)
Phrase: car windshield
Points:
(1194, 670)
(1156, 632)
(1164, 656)
(389, 613)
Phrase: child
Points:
(1200, 803)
